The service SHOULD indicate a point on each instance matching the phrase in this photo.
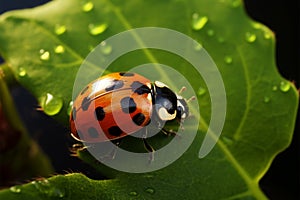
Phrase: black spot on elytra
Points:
(128, 105)
(99, 113)
(126, 74)
(115, 84)
(85, 103)
(140, 88)
(148, 122)
(115, 131)
(93, 133)
(138, 119)
(84, 90)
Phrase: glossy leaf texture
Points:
(45, 47)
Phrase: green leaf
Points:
(261, 105)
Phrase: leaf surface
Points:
(261, 105)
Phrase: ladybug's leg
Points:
(77, 147)
(148, 147)
(168, 132)
(113, 153)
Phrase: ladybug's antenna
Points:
(192, 98)
(182, 90)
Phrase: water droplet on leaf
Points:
(59, 49)
(210, 32)
(201, 91)
(56, 192)
(87, 6)
(22, 72)
(250, 37)
(44, 186)
(267, 99)
(267, 35)
(91, 48)
(221, 40)
(96, 29)
(15, 189)
(133, 193)
(285, 86)
(150, 190)
(60, 29)
(274, 88)
(105, 48)
(228, 59)
(256, 25)
(235, 3)
(41, 185)
(44, 55)
(198, 22)
(51, 105)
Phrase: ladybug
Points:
(119, 104)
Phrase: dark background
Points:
(282, 181)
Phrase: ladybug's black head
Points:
(168, 105)
(182, 108)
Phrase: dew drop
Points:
(91, 48)
(274, 88)
(44, 186)
(59, 49)
(201, 91)
(221, 40)
(87, 6)
(15, 189)
(228, 59)
(285, 86)
(41, 185)
(250, 37)
(56, 192)
(198, 22)
(256, 25)
(22, 72)
(60, 29)
(267, 35)
(44, 55)
(133, 193)
(105, 48)
(235, 3)
(210, 32)
(51, 105)
(150, 190)
(267, 99)
(96, 29)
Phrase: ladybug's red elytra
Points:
(120, 104)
